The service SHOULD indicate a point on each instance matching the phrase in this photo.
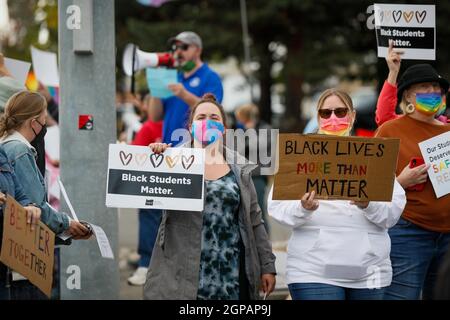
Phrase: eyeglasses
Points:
(339, 112)
(182, 47)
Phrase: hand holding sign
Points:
(308, 201)
(159, 147)
(177, 89)
(33, 216)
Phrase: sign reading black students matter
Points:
(138, 178)
(334, 167)
(411, 27)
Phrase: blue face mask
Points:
(207, 131)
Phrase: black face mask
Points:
(40, 136)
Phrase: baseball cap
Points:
(187, 37)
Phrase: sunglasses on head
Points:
(182, 47)
(339, 112)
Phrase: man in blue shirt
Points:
(194, 80)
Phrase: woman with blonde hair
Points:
(23, 121)
(339, 249)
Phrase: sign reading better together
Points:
(335, 167)
(139, 178)
(27, 251)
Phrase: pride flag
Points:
(32, 83)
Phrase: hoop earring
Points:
(410, 108)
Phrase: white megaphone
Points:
(142, 59)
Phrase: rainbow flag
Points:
(54, 92)
(32, 83)
(152, 3)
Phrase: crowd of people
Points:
(338, 249)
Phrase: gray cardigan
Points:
(175, 265)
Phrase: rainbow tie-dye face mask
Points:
(207, 131)
(428, 103)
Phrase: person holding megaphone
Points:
(195, 78)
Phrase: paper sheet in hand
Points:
(45, 66)
(158, 80)
(100, 235)
(18, 69)
(103, 242)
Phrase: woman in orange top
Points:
(422, 236)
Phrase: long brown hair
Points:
(19, 108)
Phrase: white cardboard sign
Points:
(412, 27)
(138, 178)
(436, 153)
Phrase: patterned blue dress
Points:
(219, 261)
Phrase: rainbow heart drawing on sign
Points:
(187, 161)
(140, 158)
(156, 159)
(408, 16)
(125, 158)
(172, 161)
(385, 15)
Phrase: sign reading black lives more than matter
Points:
(411, 27)
(138, 178)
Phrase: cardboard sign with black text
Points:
(28, 252)
(139, 178)
(334, 167)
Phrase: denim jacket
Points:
(9, 184)
(22, 156)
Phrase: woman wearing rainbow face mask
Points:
(223, 252)
(387, 101)
(338, 250)
(422, 236)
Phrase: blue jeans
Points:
(416, 255)
(149, 221)
(321, 291)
